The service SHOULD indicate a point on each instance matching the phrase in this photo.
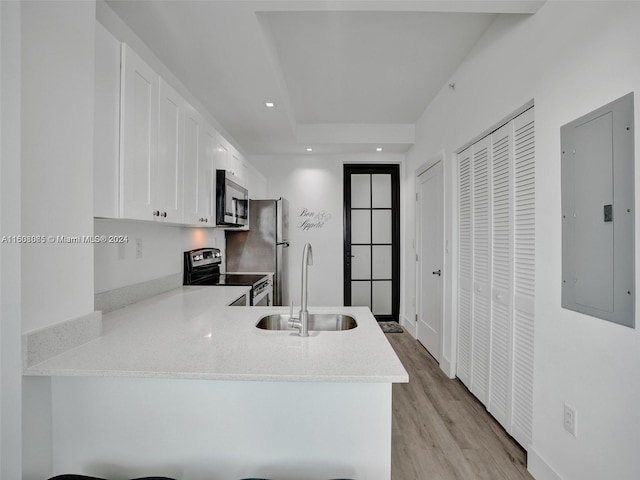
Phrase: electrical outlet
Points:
(138, 248)
(570, 419)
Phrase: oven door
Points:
(264, 298)
(263, 302)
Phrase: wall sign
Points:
(312, 220)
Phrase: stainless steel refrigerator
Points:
(264, 247)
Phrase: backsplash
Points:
(148, 251)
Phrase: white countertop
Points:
(185, 333)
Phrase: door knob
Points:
(439, 272)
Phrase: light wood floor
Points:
(441, 431)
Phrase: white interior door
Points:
(430, 259)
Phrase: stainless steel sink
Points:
(317, 322)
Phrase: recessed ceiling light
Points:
(309, 149)
(269, 104)
(379, 149)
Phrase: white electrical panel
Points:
(598, 262)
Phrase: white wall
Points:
(53, 195)
(162, 247)
(57, 148)
(314, 183)
(10, 326)
(571, 57)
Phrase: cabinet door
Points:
(198, 164)
(206, 174)
(169, 184)
(221, 160)
(138, 137)
(236, 165)
(191, 151)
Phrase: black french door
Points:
(372, 238)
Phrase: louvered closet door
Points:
(524, 277)
(465, 232)
(502, 273)
(496, 187)
(481, 323)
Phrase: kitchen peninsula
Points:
(180, 386)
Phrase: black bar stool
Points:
(71, 476)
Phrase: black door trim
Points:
(394, 171)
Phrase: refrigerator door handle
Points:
(284, 244)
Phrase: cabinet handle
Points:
(164, 214)
(156, 213)
(439, 272)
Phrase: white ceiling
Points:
(346, 76)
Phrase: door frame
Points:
(372, 168)
(430, 163)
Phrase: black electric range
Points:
(202, 267)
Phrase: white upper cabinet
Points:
(229, 159)
(167, 197)
(192, 127)
(155, 156)
(236, 165)
(206, 174)
(152, 140)
(221, 160)
(138, 137)
(199, 184)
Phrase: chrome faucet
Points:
(302, 322)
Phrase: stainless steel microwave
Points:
(232, 201)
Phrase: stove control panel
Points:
(204, 256)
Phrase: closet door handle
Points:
(439, 273)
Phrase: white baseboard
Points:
(448, 367)
(538, 467)
(408, 325)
